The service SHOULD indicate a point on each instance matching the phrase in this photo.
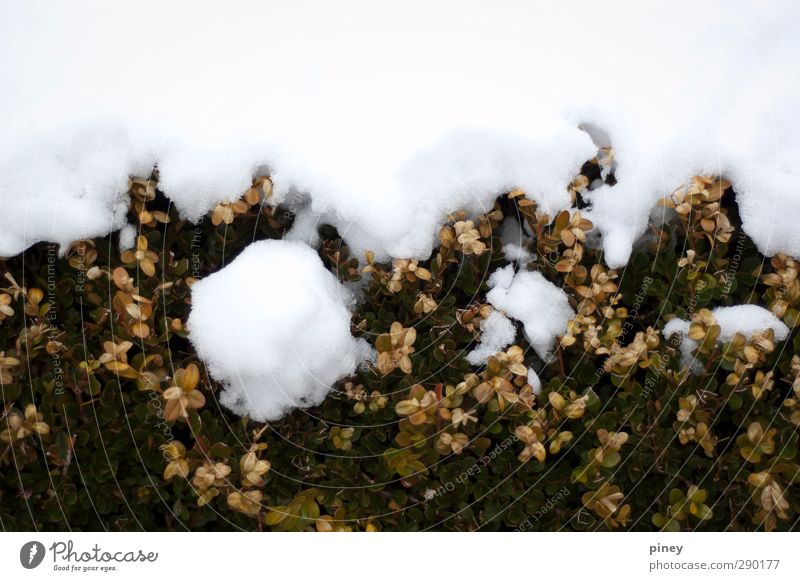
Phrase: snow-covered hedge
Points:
(460, 392)
(477, 265)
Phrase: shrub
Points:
(110, 420)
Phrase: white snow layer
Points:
(514, 237)
(534, 381)
(541, 306)
(745, 319)
(274, 327)
(497, 332)
(388, 116)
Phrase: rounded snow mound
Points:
(530, 298)
(744, 319)
(274, 327)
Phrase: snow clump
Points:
(744, 319)
(273, 327)
(529, 297)
(497, 332)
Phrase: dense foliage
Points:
(109, 420)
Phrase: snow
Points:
(534, 381)
(274, 327)
(68, 188)
(514, 238)
(381, 120)
(527, 296)
(516, 253)
(497, 332)
(388, 118)
(127, 237)
(744, 319)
